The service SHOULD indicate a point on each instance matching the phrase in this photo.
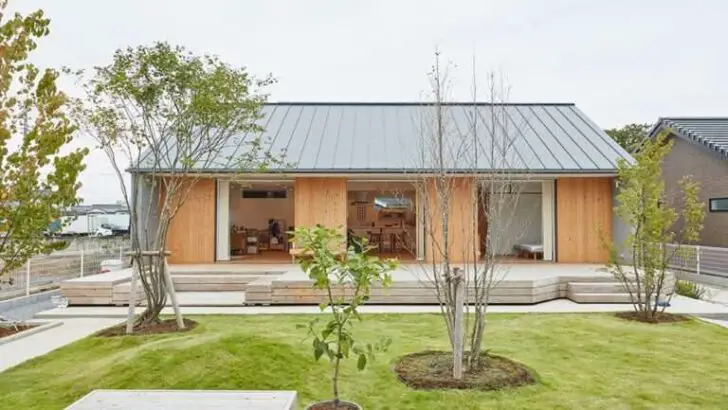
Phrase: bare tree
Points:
(171, 115)
(471, 181)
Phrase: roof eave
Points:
(382, 171)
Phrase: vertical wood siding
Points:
(583, 213)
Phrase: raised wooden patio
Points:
(286, 284)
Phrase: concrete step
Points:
(600, 297)
(596, 287)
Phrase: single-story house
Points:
(355, 165)
(700, 149)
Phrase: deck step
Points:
(212, 283)
(600, 297)
(596, 287)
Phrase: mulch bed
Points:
(433, 370)
(9, 330)
(165, 326)
(661, 318)
(330, 406)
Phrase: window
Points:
(361, 213)
(264, 194)
(718, 204)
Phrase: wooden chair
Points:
(375, 240)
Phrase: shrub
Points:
(689, 289)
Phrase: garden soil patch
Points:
(6, 331)
(663, 318)
(330, 406)
(165, 326)
(433, 370)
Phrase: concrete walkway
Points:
(21, 350)
(723, 323)
(679, 305)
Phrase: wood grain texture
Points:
(191, 235)
(320, 201)
(457, 198)
(583, 218)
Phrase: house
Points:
(361, 166)
(86, 219)
(700, 149)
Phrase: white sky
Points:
(620, 61)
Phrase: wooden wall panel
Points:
(191, 235)
(583, 210)
(462, 224)
(320, 201)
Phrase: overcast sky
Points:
(620, 61)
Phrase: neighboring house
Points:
(350, 157)
(700, 150)
(87, 219)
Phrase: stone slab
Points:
(186, 400)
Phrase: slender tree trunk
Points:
(172, 294)
(457, 282)
(132, 299)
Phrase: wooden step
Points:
(208, 278)
(211, 283)
(596, 287)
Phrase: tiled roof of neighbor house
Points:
(711, 132)
(398, 137)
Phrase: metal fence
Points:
(47, 271)
(700, 260)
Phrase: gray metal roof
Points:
(710, 132)
(398, 137)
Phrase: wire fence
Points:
(700, 260)
(47, 271)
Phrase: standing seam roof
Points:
(396, 137)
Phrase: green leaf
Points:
(327, 350)
(345, 346)
(318, 350)
(361, 363)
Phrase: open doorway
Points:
(261, 214)
(517, 230)
(385, 214)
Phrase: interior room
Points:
(385, 214)
(518, 228)
(261, 214)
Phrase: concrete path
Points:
(723, 323)
(18, 351)
(679, 305)
(209, 298)
(717, 295)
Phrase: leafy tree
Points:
(629, 136)
(335, 275)
(170, 113)
(37, 181)
(654, 239)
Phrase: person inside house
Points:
(353, 241)
(274, 229)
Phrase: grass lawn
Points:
(593, 361)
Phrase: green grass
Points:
(591, 361)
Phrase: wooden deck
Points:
(412, 284)
(286, 284)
